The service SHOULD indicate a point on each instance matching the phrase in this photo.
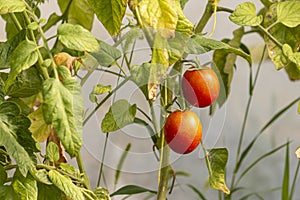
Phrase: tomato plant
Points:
(183, 131)
(48, 94)
(200, 87)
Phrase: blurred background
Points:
(274, 91)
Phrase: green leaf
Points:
(284, 35)
(110, 13)
(3, 175)
(79, 12)
(121, 162)
(25, 109)
(66, 185)
(6, 192)
(63, 108)
(4, 157)
(245, 15)
(26, 84)
(106, 55)
(52, 152)
(41, 176)
(70, 169)
(23, 57)
(52, 20)
(159, 15)
(9, 120)
(25, 187)
(48, 192)
(102, 193)
(293, 57)
(120, 114)
(288, 13)
(205, 44)
(7, 48)
(217, 160)
(286, 175)
(184, 25)
(183, 2)
(76, 37)
(132, 189)
(140, 76)
(40, 130)
(11, 6)
(101, 89)
(129, 38)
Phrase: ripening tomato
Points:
(200, 87)
(183, 131)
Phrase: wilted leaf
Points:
(288, 13)
(245, 15)
(11, 6)
(25, 187)
(63, 108)
(76, 37)
(65, 59)
(120, 114)
(23, 57)
(66, 185)
(217, 159)
(110, 13)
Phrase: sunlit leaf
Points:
(245, 15)
(110, 13)
(288, 13)
(11, 6)
(23, 57)
(76, 37)
(120, 114)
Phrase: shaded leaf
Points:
(102, 193)
(25, 187)
(7, 48)
(11, 6)
(140, 76)
(52, 152)
(6, 192)
(110, 13)
(106, 55)
(66, 185)
(53, 19)
(63, 108)
(40, 130)
(288, 13)
(8, 135)
(3, 175)
(23, 57)
(131, 189)
(120, 114)
(159, 15)
(245, 15)
(47, 192)
(217, 163)
(79, 12)
(76, 37)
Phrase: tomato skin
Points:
(183, 131)
(200, 87)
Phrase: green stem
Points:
(206, 159)
(294, 181)
(223, 9)
(16, 21)
(205, 17)
(82, 171)
(102, 161)
(265, 31)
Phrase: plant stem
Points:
(16, 21)
(265, 31)
(294, 181)
(82, 171)
(205, 17)
(102, 161)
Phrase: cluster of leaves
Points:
(41, 100)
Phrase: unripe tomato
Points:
(200, 87)
(183, 131)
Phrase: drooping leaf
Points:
(25, 187)
(52, 152)
(245, 15)
(23, 57)
(10, 129)
(283, 34)
(79, 12)
(40, 130)
(159, 15)
(76, 37)
(6, 49)
(63, 108)
(106, 55)
(140, 76)
(132, 189)
(102, 193)
(110, 13)
(288, 13)
(6, 192)
(217, 159)
(66, 185)
(11, 6)
(26, 84)
(120, 114)
(47, 192)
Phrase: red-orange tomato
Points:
(183, 131)
(200, 87)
